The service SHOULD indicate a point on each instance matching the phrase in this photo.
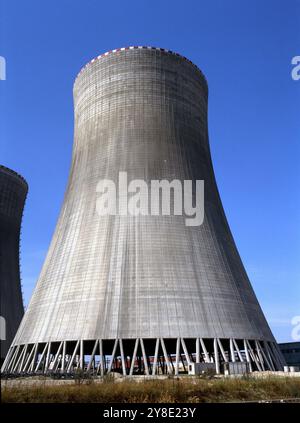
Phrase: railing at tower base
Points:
(141, 356)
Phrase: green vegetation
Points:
(197, 390)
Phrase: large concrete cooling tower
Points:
(13, 191)
(141, 293)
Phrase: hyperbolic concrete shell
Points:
(143, 111)
(13, 191)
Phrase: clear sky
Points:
(244, 47)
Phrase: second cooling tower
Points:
(149, 292)
(13, 191)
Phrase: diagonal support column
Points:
(27, 363)
(269, 355)
(113, 356)
(41, 358)
(232, 353)
(169, 367)
(247, 356)
(23, 358)
(198, 350)
(216, 354)
(8, 359)
(93, 355)
(73, 357)
(238, 350)
(122, 357)
(252, 353)
(155, 357)
(222, 350)
(146, 367)
(206, 355)
(260, 355)
(134, 357)
(186, 353)
(177, 356)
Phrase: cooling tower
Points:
(13, 191)
(141, 293)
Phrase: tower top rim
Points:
(11, 172)
(117, 50)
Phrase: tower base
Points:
(140, 356)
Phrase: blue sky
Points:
(243, 47)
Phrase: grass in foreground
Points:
(156, 391)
